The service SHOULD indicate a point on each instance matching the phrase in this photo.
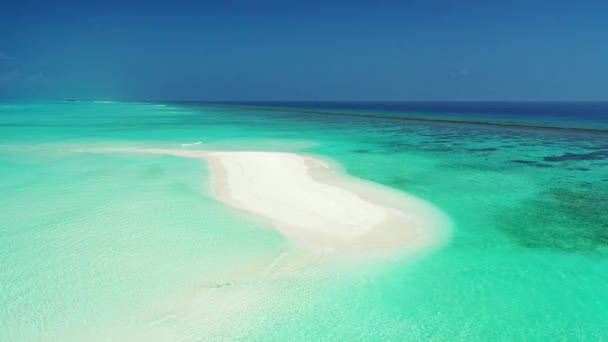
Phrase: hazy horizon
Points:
(316, 51)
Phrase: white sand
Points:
(313, 203)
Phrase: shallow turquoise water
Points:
(127, 247)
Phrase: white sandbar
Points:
(313, 202)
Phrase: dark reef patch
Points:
(438, 149)
(532, 163)
(487, 149)
(362, 150)
(472, 166)
(401, 146)
(560, 218)
(597, 155)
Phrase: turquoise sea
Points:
(117, 247)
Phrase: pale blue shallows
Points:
(98, 246)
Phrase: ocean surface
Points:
(117, 247)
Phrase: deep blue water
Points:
(582, 115)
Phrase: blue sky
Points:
(304, 50)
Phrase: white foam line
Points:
(191, 144)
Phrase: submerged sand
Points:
(314, 203)
(333, 219)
